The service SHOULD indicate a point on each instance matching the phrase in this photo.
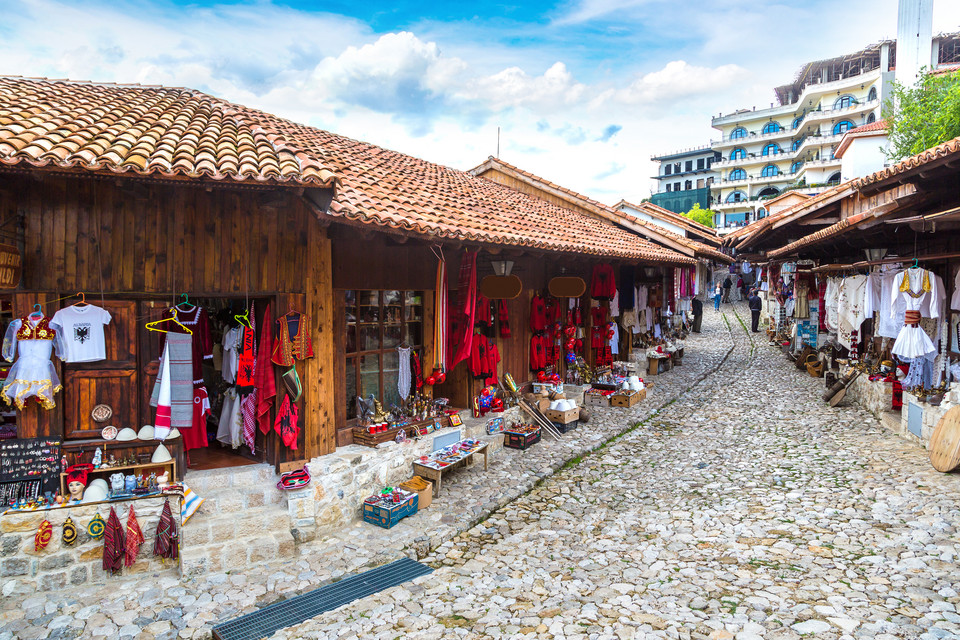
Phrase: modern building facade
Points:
(793, 145)
(684, 178)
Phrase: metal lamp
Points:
(502, 267)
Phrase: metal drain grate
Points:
(263, 623)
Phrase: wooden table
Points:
(436, 475)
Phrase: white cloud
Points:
(678, 79)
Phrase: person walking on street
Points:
(716, 296)
(727, 283)
(755, 305)
(697, 314)
(740, 295)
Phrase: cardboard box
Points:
(627, 400)
(423, 489)
(595, 400)
(563, 417)
(521, 440)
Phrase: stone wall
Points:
(874, 396)
(341, 480)
(24, 570)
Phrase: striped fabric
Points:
(179, 352)
(134, 539)
(113, 546)
(191, 502)
(440, 315)
(166, 544)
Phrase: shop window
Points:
(738, 133)
(738, 154)
(377, 323)
(771, 149)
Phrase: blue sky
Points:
(584, 91)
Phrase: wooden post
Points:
(319, 389)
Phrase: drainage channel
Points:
(280, 615)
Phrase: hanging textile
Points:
(440, 314)
(293, 341)
(850, 306)
(166, 544)
(287, 424)
(135, 539)
(263, 374)
(416, 370)
(466, 307)
(918, 290)
(248, 405)
(247, 358)
(483, 315)
(33, 374)
(201, 343)
(113, 544)
(404, 376)
(69, 535)
(503, 318)
(602, 282)
(176, 379)
(43, 535)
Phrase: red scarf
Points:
(134, 538)
(466, 306)
(113, 546)
(504, 319)
(246, 361)
(264, 379)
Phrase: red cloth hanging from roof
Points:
(466, 308)
(263, 378)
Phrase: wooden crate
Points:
(520, 440)
(563, 417)
(626, 401)
(386, 518)
(363, 437)
(595, 400)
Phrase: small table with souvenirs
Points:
(433, 466)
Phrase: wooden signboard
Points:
(567, 287)
(945, 442)
(501, 287)
(10, 266)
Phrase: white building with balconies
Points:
(793, 146)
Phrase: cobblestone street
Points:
(741, 506)
(746, 509)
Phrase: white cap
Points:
(161, 455)
(146, 432)
(126, 435)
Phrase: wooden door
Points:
(112, 381)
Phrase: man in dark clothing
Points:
(697, 314)
(755, 305)
(726, 289)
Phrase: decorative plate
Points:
(109, 432)
(101, 413)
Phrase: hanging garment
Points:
(440, 302)
(483, 315)
(466, 307)
(248, 405)
(614, 341)
(626, 288)
(135, 539)
(263, 374)
(404, 376)
(918, 290)
(176, 378)
(603, 285)
(831, 299)
(197, 321)
(113, 544)
(821, 307)
(955, 299)
(538, 352)
(247, 358)
(417, 370)
(81, 332)
(196, 436)
(166, 544)
(33, 374)
(615, 305)
(230, 421)
(287, 424)
(232, 340)
(493, 360)
(850, 308)
(503, 318)
(538, 314)
(293, 341)
(801, 306)
(479, 362)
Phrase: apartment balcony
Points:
(751, 137)
(754, 159)
(727, 207)
(820, 164)
(815, 117)
(816, 142)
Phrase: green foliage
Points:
(703, 216)
(924, 115)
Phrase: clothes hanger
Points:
(244, 318)
(37, 313)
(185, 301)
(83, 300)
(154, 326)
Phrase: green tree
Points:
(703, 216)
(924, 115)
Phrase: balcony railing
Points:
(807, 117)
(755, 158)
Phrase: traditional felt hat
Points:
(126, 435)
(173, 435)
(161, 455)
(146, 432)
(94, 493)
(78, 473)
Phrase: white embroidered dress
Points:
(33, 374)
(913, 341)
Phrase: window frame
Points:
(731, 199)
(772, 127)
(738, 153)
(837, 127)
(766, 173)
(738, 133)
(737, 174)
(777, 149)
(846, 101)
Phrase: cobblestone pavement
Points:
(747, 509)
(164, 608)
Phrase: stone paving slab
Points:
(164, 608)
(747, 509)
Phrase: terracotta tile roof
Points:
(876, 125)
(801, 209)
(833, 230)
(652, 232)
(387, 188)
(877, 128)
(146, 131)
(670, 216)
(942, 150)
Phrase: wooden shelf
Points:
(170, 464)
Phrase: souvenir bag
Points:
(96, 526)
(43, 536)
(69, 532)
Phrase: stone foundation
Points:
(24, 570)
(341, 480)
(874, 396)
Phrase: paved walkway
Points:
(747, 509)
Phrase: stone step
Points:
(241, 499)
(891, 420)
(239, 553)
(249, 476)
(207, 529)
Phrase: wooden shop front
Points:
(134, 247)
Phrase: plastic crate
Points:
(520, 440)
(386, 518)
(565, 428)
